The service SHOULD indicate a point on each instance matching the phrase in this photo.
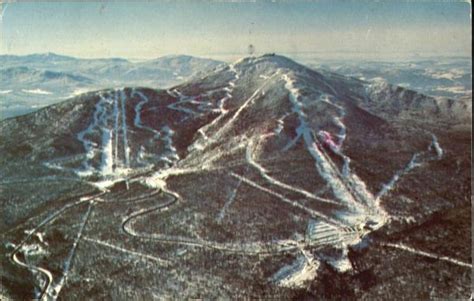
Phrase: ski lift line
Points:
(126, 251)
(273, 181)
(124, 128)
(47, 220)
(52, 292)
(288, 201)
(427, 254)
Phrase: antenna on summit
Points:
(251, 49)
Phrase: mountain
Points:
(30, 76)
(37, 59)
(33, 81)
(164, 71)
(259, 179)
(46, 60)
(441, 77)
(184, 65)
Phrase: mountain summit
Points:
(296, 177)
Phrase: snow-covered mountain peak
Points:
(260, 157)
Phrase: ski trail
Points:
(330, 174)
(436, 146)
(205, 165)
(116, 125)
(426, 254)
(237, 247)
(170, 155)
(416, 161)
(337, 120)
(292, 142)
(227, 125)
(347, 187)
(182, 99)
(89, 146)
(165, 134)
(354, 184)
(271, 180)
(298, 273)
(53, 290)
(391, 184)
(138, 110)
(126, 148)
(357, 187)
(51, 217)
(221, 103)
(221, 109)
(107, 152)
(229, 201)
(280, 124)
(137, 121)
(130, 252)
(312, 212)
(107, 149)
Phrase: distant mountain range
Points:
(32, 81)
(446, 77)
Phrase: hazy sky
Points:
(152, 29)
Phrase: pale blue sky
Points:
(152, 29)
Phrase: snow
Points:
(453, 89)
(34, 269)
(170, 154)
(429, 255)
(286, 200)
(346, 186)
(37, 91)
(319, 232)
(340, 263)
(137, 121)
(250, 159)
(107, 153)
(79, 91)
(37, 106)
(201, 144)
(89, 146)
(103, 185)
(32, 250)
(296, 274)
(133, 254)
(436, 146)
(229, 201)
(416, 161)
(54, 289)
(359, 203)
(281, 124)
(155, 181)
(182, 99)
(350, 217)
(40, 236)
(329, 174)
(116, 129)
(452, 74)
(124, 128)
(104, 127)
